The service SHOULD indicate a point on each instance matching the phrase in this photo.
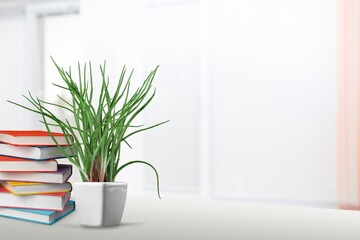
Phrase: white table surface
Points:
(150, 218)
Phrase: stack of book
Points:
(33, 186)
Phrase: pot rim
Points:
(101, 183)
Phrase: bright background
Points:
(250, 88)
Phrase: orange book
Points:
(33, 138)
(29, 188)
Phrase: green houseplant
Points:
(100, 127)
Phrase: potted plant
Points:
(101, 126)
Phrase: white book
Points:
(33, 152)
(34, 138)
(38, 216)
(61, 175)
(46, 201)
(11, 164)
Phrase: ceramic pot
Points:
(100, 203)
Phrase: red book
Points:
(33, 138)
(13, 164)
(45, 201)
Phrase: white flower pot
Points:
(100, 203)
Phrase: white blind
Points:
(172, 40)
(274, 102)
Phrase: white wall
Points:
(64, 44)
(272, 71)
(265, 70)
(173, 42)
(13, 81)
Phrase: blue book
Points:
(37, 216)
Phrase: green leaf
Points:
(146, 163)
(99, 129)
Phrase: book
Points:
(38, 216)
(33, 138)
(27, 188)
(43, 201)
(12, 164)
(33, 152)
(62, 174)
